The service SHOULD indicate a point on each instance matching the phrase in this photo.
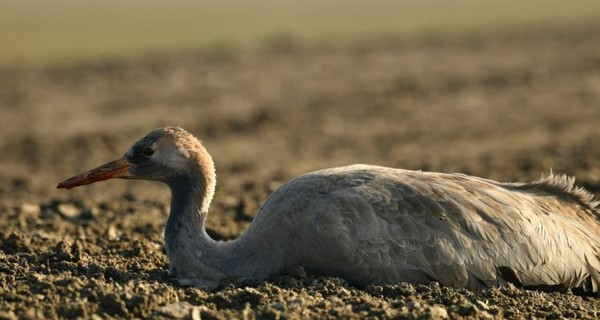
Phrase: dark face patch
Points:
(137, 156)
(138, 153)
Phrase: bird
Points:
(372, 225)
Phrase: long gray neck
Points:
(187, 216)
(193, 255)
(191, 194)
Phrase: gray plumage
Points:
(376, 225)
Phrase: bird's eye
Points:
(147, 152)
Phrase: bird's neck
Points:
(191, 251)
(191, 195)
(195, 258)
(189, 207)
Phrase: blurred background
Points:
(502, 89)
(507, 90)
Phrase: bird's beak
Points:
(115, 169)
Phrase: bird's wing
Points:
(459, 230)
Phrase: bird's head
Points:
(165, 154)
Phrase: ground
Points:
(510, 105)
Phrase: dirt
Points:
(510, 106)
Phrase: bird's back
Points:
(376, 225)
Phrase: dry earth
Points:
(508, 106)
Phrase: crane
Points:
(373, 225)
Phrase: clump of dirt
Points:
(508, 106)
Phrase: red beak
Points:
(115, 169)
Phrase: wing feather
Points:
(454, 227)
(463, 231)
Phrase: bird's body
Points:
(374, 225)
